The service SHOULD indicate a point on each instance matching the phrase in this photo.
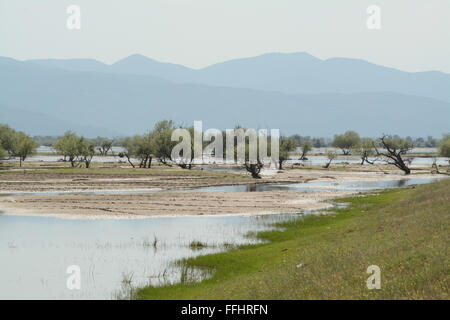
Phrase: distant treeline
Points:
(317, 142)
(157, 144)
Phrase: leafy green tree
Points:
(141, 147)
(3, 153)
(346, 141)
(86, 150)
(306, 147)
(129, 146)
(75, 148)
(331, 155)
(7, 138)
(444, 147)
(163, 144)
(68, 146)
(25, 146)
(287, 145)
(16, 144)
(144, 149)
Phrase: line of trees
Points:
(390, 148)
(317, 142)
(157, 144)
(153, 144)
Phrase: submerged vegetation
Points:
(403, 231)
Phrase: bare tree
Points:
(394, 149)
(104, 145)
(254, 168)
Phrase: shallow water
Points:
(314, 185)
(312, 161)
(319, 185)
(322, 160)
(36, 251)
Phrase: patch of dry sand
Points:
(94, 206)
(140, 204)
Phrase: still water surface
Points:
(35, 252)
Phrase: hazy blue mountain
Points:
(295, 73)
(129, 104)
(36, 123)
(303, 73)
(141, 65)
(73, 64)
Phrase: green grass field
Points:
(405, 232)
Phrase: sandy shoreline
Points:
(151, 196)
(125, 206)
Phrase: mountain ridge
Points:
(130, 104)
(290, 73)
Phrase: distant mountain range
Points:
(297, 93)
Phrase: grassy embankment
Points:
(405, 232)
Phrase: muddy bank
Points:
(94, 206)
(158, 179)
(132, 194)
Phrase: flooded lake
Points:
(36, 251)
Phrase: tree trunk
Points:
(129, 161)
(150, 162)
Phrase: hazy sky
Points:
(414, 34)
